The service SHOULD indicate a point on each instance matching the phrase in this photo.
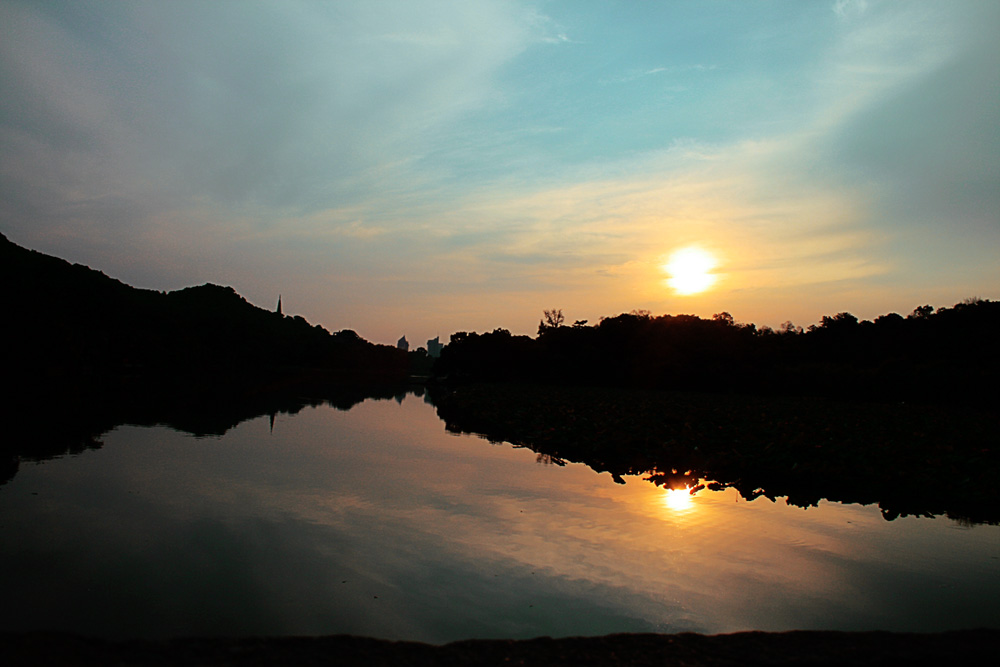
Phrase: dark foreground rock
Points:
(687, 649)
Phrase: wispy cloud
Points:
(637, 74)
(279, 116)
(850, 8)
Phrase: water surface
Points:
(376, 521)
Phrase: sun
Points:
(690, 270)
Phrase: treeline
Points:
(72, 330)
(943, 355)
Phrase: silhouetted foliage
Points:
(497, 354)
(420, 362)
(553, 319)
(947, 355)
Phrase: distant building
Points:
(278, 310)
(434, 347)
(402, 344)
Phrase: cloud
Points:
(787, 213)
(593, 240)
(274, 104)
(925, 143)
(637, 74)
(850, 8)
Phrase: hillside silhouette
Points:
(73, 332)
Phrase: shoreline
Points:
(742, 648)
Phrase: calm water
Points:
(376, 521)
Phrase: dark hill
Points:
(72, 331)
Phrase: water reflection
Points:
(909, 460)
(376, 521)
(678, 500)
(43, 432)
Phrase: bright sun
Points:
(690, 270)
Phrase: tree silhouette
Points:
(933, 356)
(553, 319)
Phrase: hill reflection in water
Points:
(377, 521)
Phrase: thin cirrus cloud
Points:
(389, 162)
(263, 105)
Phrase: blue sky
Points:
(422, 168)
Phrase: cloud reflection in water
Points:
(376, 521)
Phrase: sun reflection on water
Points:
(678, 500)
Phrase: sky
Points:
(421, 168)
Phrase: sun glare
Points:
(678, 500)
(690, 270)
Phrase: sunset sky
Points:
(422, 168)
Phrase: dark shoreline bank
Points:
(693, 650)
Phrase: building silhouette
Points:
(434, 347)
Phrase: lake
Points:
(377, 521)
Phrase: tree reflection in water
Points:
(909, 460)
(377, 522)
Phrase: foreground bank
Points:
(692, 650)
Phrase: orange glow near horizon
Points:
(690, 270)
